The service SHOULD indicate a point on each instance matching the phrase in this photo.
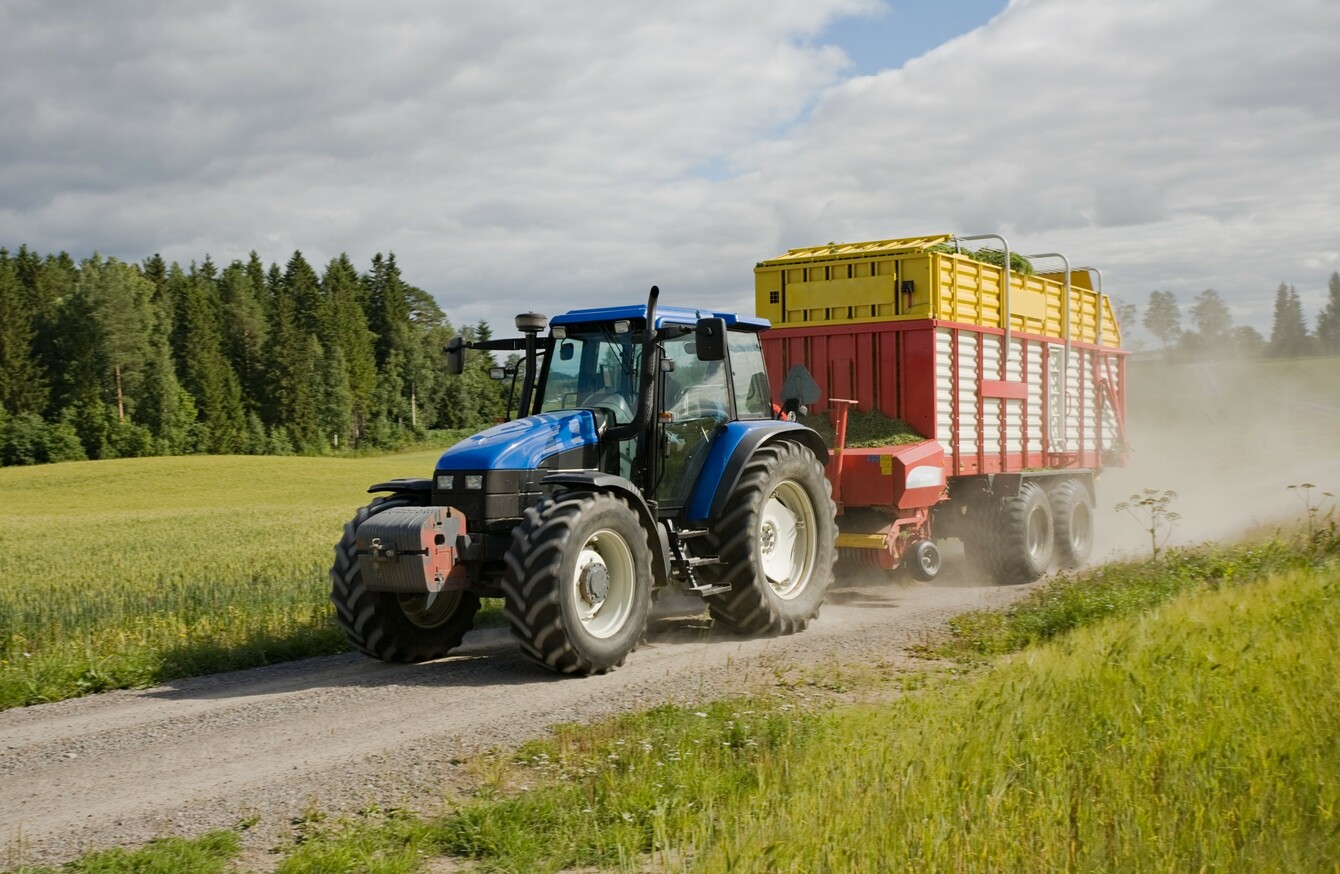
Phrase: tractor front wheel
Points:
(776, 542)
(578, 582)
(394, 626)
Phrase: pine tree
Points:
(349, 344)
(245, 326)
(1328, 320)
(206, 372)
(292, 398)
(23, 387)
(1288, 337)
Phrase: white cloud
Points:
(526, 155)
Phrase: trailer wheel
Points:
(776, 541)
(1012, 539)
(578, 582)
(394, 626)
(923, 560)
(1072, 510)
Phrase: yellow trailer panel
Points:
(925, 278)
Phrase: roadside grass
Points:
(212, 853)
(1186, 724)
(117, 574)
(1200, 737)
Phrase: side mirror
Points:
(455, 356)
(709, 338)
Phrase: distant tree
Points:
(206, 372)
(1247, 342)
(349, 348)
(23, 387)
(1328, 320)
(1127, 319)
(1288, 337)
(245, 326)
(1210, 316)
(1163, 318)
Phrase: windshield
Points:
(594, 368)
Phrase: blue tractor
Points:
(645, 454)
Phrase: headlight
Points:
(446, 482)
(474, 481)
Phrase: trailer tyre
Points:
(923, 560)
(578, 582)
(776, 541)
(1012, 539)
(1072, 509)
(394, 626)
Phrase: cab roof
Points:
(664, 316)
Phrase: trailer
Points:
(1007, 384)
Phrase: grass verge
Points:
(1169, 716)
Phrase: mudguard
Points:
(732, 447)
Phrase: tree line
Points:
(105, 359)
(1213, 335)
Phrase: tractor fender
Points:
(731, 450)
(410, 486)
(596, 481)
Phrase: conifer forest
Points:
(105, 359)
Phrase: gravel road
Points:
(345, 732)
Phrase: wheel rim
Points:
(429, 609)
(603, 583)
(1038, 533)
(930, 561)
(786, 539)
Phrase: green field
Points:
(129, 572)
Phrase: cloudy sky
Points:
(521, 154)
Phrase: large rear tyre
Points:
(776, 541)
(578, 582)
(1012, 539)
(1072, 510)
(394, 626)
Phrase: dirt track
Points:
(346, 732)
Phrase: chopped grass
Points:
(865, 430)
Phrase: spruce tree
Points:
(23, 387)
(1288, 336)
(207, 373)
(1328, 320)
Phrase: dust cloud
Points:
(1229, 438)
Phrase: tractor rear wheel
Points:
(776, 541)
(394, 626)
(578, 582)
(1072, 510)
